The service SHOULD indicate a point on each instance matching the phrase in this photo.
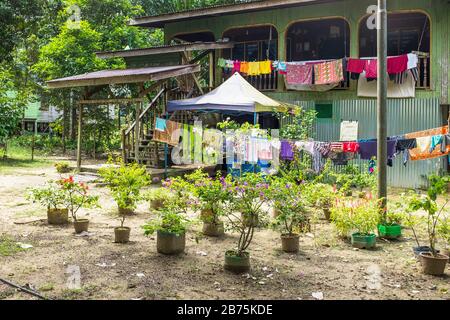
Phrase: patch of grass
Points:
(8, 247)
(47, 287)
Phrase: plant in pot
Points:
(244, 212)
(122, 233)
(170, 227)
(365, 219)
(390, 226)
(62, 167)
(293, 214)
(125, 182)
(433, 263)
(52, 197)
(444, 233)
(212, 194)
(76, 196)
(158, 197)
(324, 197)
(341, 217)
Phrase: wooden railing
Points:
(424, 68)
(265, 82)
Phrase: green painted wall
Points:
(352, 11)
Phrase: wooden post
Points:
(382, 104)
(211, 70)
(80, 128)
(33, 145)
(123, 139)
(137, 132)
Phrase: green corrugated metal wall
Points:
(405, 116)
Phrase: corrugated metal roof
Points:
(159, 21)
(137, 75)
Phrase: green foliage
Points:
(62, 167)
(322, 195)
(8, 247)
(159, 194)
(444, 230)
(125, 182)
(291, 201)
(170, 219)
(50, 196)
(435, 212)
(76, 196)
(211, 193)
(355, 216)
(298, 123)
(248, 194)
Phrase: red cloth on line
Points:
(371, 69)
(236, 66)
(351, 147)
(397, 64)
(356, 65)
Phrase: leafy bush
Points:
(76, 196)
(159, 194)
(170, 219)
(125, 182)
(50, 196)
(62, 167)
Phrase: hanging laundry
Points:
(351, 147)
(253, 69)
(282, 67)
(244, 67)
(356, 65)
(286, 152)
(342, 159)
(337, 147)
(307, 146)
(236, 66)
(161, 125)
(265, 67)
(435, 141)
(299, 74)
(403, 146)
(368, 88)
(417, 154)
(328, 72)
(265, 150)
(171, 134)
(397, 64)
(368, 149)
(212, 146)
(229, 64)
(371, 69)
(318, 158)
(413, 61)
(424, 144)
(221, 63)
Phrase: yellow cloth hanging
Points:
(253, 69)
(244, 67)
(265, 67)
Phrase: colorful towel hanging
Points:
(328, 72)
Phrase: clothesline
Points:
(415, 146)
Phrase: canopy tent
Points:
(235, 94)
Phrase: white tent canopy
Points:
(235, 94)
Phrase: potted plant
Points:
(341, 216)
(365, 219)
(76, 197)
(324, 198)
(158, 197)
(444, 233)
(125, 182)
(433, 263)
(390, 226)
(122, 233)
(52, 197)
(170, 227)
(62, 167)
(212, 195)
(293, 215)
(248, 196)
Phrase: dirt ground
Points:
(325, 264)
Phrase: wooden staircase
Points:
(139, 135)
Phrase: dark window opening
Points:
(407, 32)
(318, 40)
(324, 110)
(252, 44)
(194, 37)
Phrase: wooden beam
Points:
(112, 101)
(154, 86)
(137, 132)
(80, 127)
(166, 49)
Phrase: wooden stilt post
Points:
(382, 105)
(137, 133)
(80, 128)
